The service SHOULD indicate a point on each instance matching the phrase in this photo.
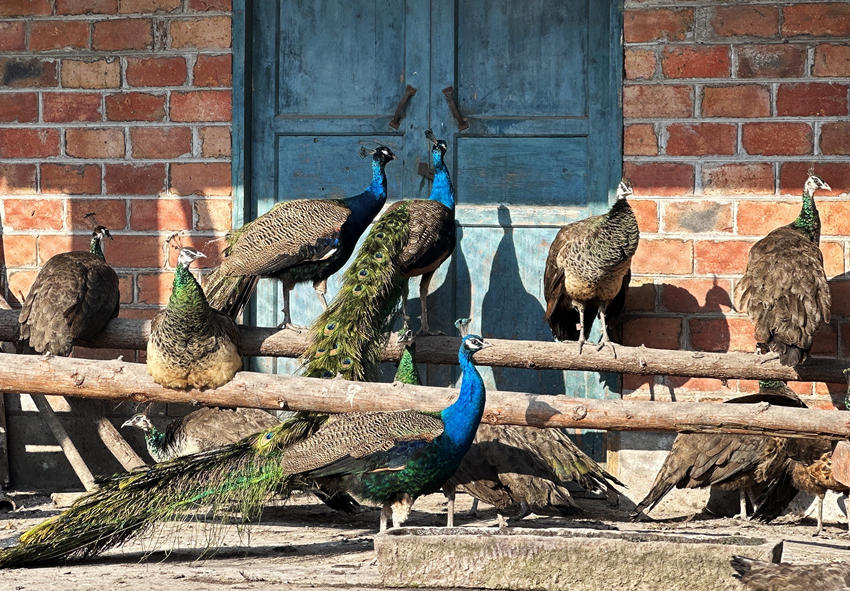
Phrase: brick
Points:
(51, 245)
(699, 61)
(668, 256)
(640, 140)
(642, 383)
(639, 63)
(646, 101)
(17, 179)
(201, 33)
(655, 333)
(105, 73)
(832, 60)
(811, 98)
(641, 295)
(161, 214)
(204, 5)
(125, 289)
(745, 21)
(202, 105)
(834, 218)
(693, 217)
(135, 106)
(110, 213)
(212, 247)
(161, 142)
(213, 214)
(20, 107)
(833, 258)
(19, 251)
(28, 73)
(737, 179)
(840, 291)
(200, 179)
(94, 143)
(13, 36)
(57, 34)
(140, 314)
(646, 213)
(25, 7)
(660, 178)
(131, 33)
(156, 71)
(29, 143)
(33, 214)
(820, 20)
(721, 334)
(640, 26)
(701, 139)
(213, 70)
(128, 179)
(835, 138)
(215, 141)
(690, 296)
(721, 256)
(792, 175)
(148, 6)
(745, 100)
(71, 179)
(770, 61)
(770, 139)
(757, 218)
(20, 283)
(86, 6)
(681, 384)
(65, 107)
(135, 251)
(154, 288)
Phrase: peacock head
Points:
(438, 147)
(187, 255)
(813, 183)
(624, 189)
(139, 421)
(472, 343)
(100, 233)
(383, 155)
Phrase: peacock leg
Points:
(581, 338)
(405, 318)
(752, 497)
(820, 515)
(321, 288)
(287, 318)
(386, 512)
(473, 511)
(449, 491)
(605, 340)
(424, 285)
(742, 499)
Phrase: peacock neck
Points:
(808, 221)
(187, 298)
(155, 439)
(441, 189)
(378, 186)
(407, 372)
(365, 206)
(462, 418)
(96, 248)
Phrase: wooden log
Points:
(119, 380)
(124, 333)
(68, 448)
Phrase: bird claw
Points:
(602, 344)
(290, 326)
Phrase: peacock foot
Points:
(601, 345)
(291, 326)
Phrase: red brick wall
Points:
(726, 106)
(121, 107)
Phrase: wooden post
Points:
(68, 447)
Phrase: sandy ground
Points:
(304, 545)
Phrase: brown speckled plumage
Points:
(768, 576)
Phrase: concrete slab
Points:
(841, 463)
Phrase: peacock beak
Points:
(826, 187)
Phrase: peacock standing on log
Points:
(296, 241)
(784, 288)
(191, 344)
(588, 271)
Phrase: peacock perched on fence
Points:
(588, 270)
(192, 344)
(296, 241)
(784, 288)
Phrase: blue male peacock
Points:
(296, 241)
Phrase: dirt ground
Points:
(304, 545)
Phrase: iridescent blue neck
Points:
(462, 418)
(378, 186)
(442, 190)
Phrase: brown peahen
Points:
(784, 288)
(588, 271)
(74, 296)
(191, 344)
(296, 241)
(757, 575)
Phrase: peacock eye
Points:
(357, 288)
(269, 435)
(347, 362)
(379, 256)
(379, 235)
(363, 272)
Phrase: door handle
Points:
(462, 123)
(399, 110)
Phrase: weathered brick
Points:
(820, 20)
(668, 256)
(639, 63)
(735, 179)
(17, 179)
(835, 218)
(757, 218)
(201, 105)
(835, 138)
(33, 214)
(156, 71)
(212, 247)
(94, 143)
(130, 33)
(745, 21)
(689, 296)
(640, 140)
(139, 314)
(29, 143)
(28, 73)
(646, 212)
(161, 214)
(721, 334)
(13, 36)
(20, 283)
(64, 107)
(721, 256)
(698, 61)
(86, 6)
(213, 70)
(20, 107)
(660, 178)
(641, 296)
(125, 290)
(161, 142)
(154, 288)
(647, 100)
(693, 217)
(204, 5)
(770, 61)
(71, 179)
(135, 106)
(211, 32)
(745, 100)
(701, 139)
(128, 179)
(213, 214)
(792, 175)
(105, 73)
(110, 213)
(148, 6)
(770, 139)
(687, 388)
(640, 26)
(19, 250)
(811, 98)
(215, 141)
(58, 34)
(135, 251)
(832, 60)
(25, 7)
(200, 179)
(655, 333)
(833, 258)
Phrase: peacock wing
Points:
(432, 237)
(213, 427)
(100, 301)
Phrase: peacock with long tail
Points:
(784, 288)
(588, 270)
(192, 344)
(296, 241)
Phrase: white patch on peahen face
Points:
(187, 255)
(139, 421)
(624, 189)
(813, 183)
